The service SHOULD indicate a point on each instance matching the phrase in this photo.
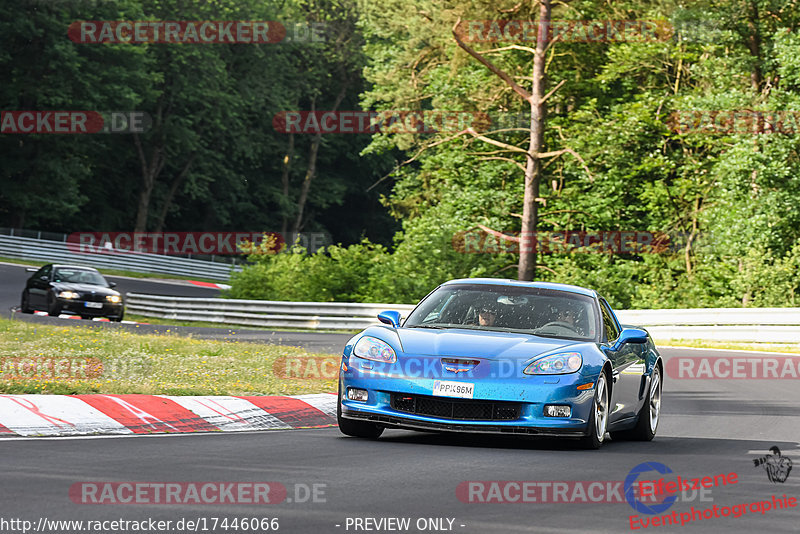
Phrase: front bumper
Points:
(527, 395)
(78, 306)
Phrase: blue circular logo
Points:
(630, 485)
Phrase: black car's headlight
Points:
(556, 364)
(114, 299)
(69, 295)
(372, 348)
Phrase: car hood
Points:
(84, 288)
(477, 344)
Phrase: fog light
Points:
(553, 410)
(355, 394)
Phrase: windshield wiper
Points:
(427, 326)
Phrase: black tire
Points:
(25, 304)
(53, 307)
(118, 318)
(357, 429)
(596, 436)
(646, 424)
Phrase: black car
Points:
(71, 289)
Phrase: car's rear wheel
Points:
(25, 304)
(53, 307)
(357, 429)
(598, 418)
(647, 423)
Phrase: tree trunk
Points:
(143, 206)
(287, 167)
(176, 183)
(754, 45)
(310, 171)
(533, 169)
(312, 162)
(150, 170)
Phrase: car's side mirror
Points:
(392, 318)
(112, 284)
(630, 335)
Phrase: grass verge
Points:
(58, 360)
(211, 324)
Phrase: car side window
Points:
(44, 271)
(610, 326)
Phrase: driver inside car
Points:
(487, 315)
(567, 315)
(483, 312)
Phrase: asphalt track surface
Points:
(708, 428)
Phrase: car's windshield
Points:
(79, 276)
(541, 312)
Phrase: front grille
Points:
(87, 295)
(456, 408)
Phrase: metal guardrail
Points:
(267, 313)
(775, 325)
(26, 248)
(750, 325)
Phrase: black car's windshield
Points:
(541, 312)
(79, 276)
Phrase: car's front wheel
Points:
(53, 307)
(357, 429)
(647, 424)
(25, 305)
(598, 418)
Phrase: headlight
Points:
(557, 364)
(372, 348)
(68, 295)
(113, 298)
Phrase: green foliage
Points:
(212, 108)
(342, 274)
(729, 199)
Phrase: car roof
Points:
(85, 268)
(518, 283)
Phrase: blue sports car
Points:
(507, 357)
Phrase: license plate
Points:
(444, 388)
(93, 304)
